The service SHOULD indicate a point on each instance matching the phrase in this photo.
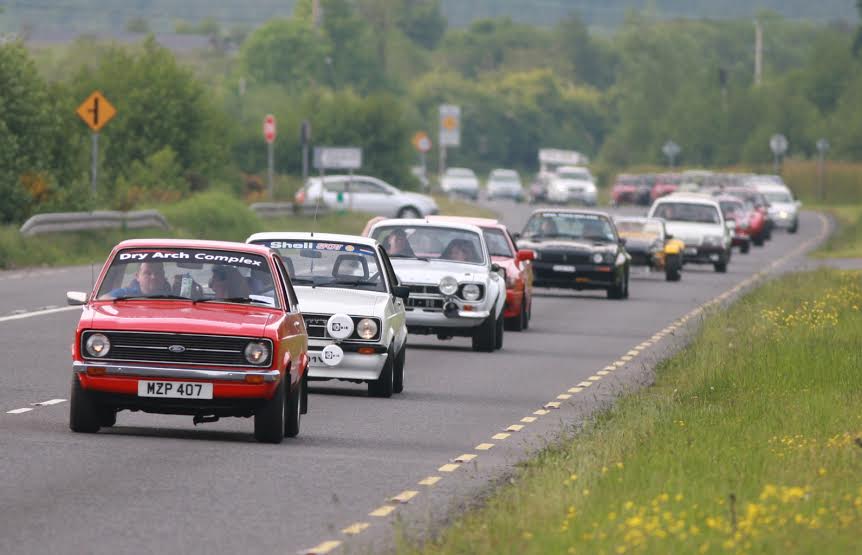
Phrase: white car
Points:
(697, 221)
(455, 287)
(362, 193)
(783, 208)
(505, 184)
(572, 184)
(460, 181)
(352, 304)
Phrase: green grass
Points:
(846, 242)
(211, 215)
(747, 442)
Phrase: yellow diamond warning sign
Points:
(96, 111)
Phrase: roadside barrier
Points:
(59, 222)
(281, 209)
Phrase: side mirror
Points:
(401, 292)
(76, 298)
(525, 255)
(668, 236)
(622, 241)
(495, 267)
(516, 235)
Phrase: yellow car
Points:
(650, 245)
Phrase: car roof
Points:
(637, 219)
(193, 244)
(411, 222)
(693, 198)
(478, 222)
(727, 198)
(312, 236)
(570, 211)
(573, 168)
(341, 177)
(769, 186)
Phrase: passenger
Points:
(228, 283)
(593, 229)
(461, 250)
(149, 280)
(397, 246)
(548, 227)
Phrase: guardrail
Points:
(281, 209)
(57, 222)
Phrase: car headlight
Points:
(98, 345)
(783, 214)
(713, 240)
(598, 258)
(471, 292)
(367, 328)
(257, 353)
(448, 286)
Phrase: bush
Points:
(212, 215)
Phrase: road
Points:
(158, 484)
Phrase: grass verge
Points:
(749, 441)
(846, 242)
(208, 215)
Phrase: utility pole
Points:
(315, 13)
(758, 52)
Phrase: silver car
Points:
(456, 290)
(504, 183)
(362, 193)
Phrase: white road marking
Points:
(18, 411)
(23, 315)
(49, 403)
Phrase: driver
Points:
(461, 250)
(228, 283)
(593, 229)
(396, 244)
(149, 280)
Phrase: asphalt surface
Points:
(159, 484)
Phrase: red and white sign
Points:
(421, 142)
(269, 128)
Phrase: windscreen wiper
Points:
(241, 300)
(422, 258)
(353, 282)
(137, 297)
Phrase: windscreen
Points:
(189, 274)
(778, 196)
(589, 227)
(329, 264)
(497, 243)
(430, 243)
(687, 212)
(730, 207)
(575, 174)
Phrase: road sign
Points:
(822, 145)
(96, 111)
(778, 143)
(337, 158)
(269, 133)
(671, 149)
(421, 142)
(450, 125)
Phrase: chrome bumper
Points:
(354, 366)
(169, 372)
(464, 319)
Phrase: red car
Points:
(519, 270)
(665, 184)
(208, 329)
(625, 190)
(758, 214)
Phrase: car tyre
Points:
(758, 240)
(498, 339)
(673, 267)
(620, 290)
(409, 212)
(385, 384)
(721, 266)
(794, 228)
(83, 411)
(484, 339)
(398, 378)
(269, 420)
(745, 247)
(107, 416)
(519, 322)
(293, 415)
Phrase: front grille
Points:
(425, 304)
(315, 325)
(565, 257)
(424, 290)
(216, 350)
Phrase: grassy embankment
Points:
(205, 216)
(749, 441)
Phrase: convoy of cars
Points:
(215, 329)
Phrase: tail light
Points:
(299, 198)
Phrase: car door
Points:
(395, 311)
(293, 337)
(371, 197)
(334, 195)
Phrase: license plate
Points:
(690, 250)
(175, 390)
(315, 360)
(564, 268)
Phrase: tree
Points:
(353, 60)
(857, 42)
(159, 104)
(422, 21)
(138, 24)
(286, 51)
